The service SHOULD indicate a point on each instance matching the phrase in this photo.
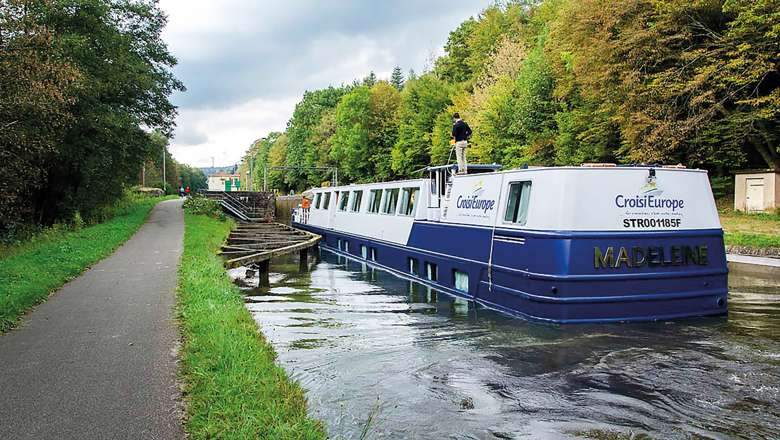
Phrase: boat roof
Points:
(476, 166)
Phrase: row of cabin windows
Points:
(389, 204)
(431, 270)
(460, 278)
(516, 207)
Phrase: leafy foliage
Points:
(200, 205)
(561, 82)
(79, 81)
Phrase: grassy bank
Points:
(233, 387)
(751, 230)
(30, 271)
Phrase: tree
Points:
(421, 100)
(383, 124)
(366, 130)
(301, 152)
(370, 80)
(691, 82)
(151, 173)
(452, 66)
(397, 78)
(37, 88)
(277, 157)
(192, 177)
(125, 80)
(350, 141)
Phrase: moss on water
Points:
(233, 387)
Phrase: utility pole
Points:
(163, 188)
(249, 177)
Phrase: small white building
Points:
(224, 182)
(756, 190)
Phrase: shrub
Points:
(203, 206)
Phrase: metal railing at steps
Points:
(233, 209)
(236, 206)
(235, 200)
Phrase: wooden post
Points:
(303, 265)
(317, 253)
(262, 268)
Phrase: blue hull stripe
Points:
(552, 276)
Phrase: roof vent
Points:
(598, 165)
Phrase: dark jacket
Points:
(461, 131)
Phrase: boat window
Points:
(517, 204)
(431, 271)
(414, 266)
(391, 201)
(357, 199)
(373, 254)
(344, 200)
(375, 196)
(317, 200)
(363, 251)
(326, 202)
(461, 280)
(408, 199)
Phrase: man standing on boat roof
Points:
(461, 132)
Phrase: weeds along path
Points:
(97, 360)
(234, 388)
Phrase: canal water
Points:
(382, 357)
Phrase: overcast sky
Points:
(246, 63)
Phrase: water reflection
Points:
(424, 365)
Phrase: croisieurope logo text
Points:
(472, 202)
(645, 201)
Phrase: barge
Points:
(596, 243)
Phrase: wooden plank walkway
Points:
(254, 244)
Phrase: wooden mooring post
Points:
(303, 264)
(262, 273)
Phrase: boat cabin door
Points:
(437, 180)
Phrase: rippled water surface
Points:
(390, 357)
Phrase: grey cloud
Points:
(190, 137)
(293, 43)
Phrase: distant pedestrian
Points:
(461, 132)
(187, 191)
(181, 191)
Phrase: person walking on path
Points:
(461, 132)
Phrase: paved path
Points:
(758, 261)
(97, 360)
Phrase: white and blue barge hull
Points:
(563, 245)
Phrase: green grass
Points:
(30, 271)
(233, 387)
(751, 240)
(752, 230)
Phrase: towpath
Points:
(98, 360)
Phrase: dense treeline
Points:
(82, 85)
(557, 82)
